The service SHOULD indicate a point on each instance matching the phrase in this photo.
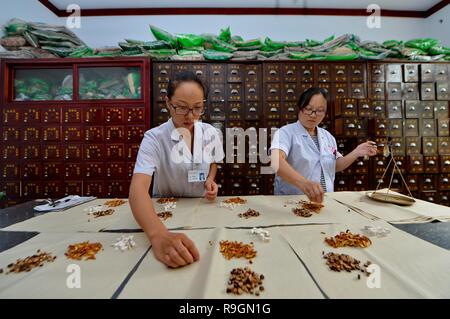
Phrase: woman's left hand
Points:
(211, 190)
(368, 148)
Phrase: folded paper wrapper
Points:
(64, 203)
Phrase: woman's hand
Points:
(368, 148)
(211, 190)
(313, 190)
(174, 249)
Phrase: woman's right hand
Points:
(313, 190)
(174, 249)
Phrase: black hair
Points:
(185, 76)
(307, 95)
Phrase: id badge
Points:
(196, 175)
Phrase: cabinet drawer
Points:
(135, 133)
(162, 72)
(441, 109)
(11, 152)
(427, 72)
(357, 72)
(398, 146)
(217, 73)
(428, 127)
(339, 90)
(273, 92)
(289, 92)
(411, 72)
(93, 152)
(32, 189)
(379, 109)
(444, 145)
(427, 92)
(73, 170)
(115, 152)
(394, 109)
(116, 170)
(413, 145)
(12, 116)
(135, 115)
(412, 109)
(73, 152)
(252, 91)
(32, 116)
(412, 181)
(394, 91)
(341, 184)
(290, 72)
(118, 189)
(411, 91)
(441, 72)
(272, 72)
(31, 152)
(428, 182)
(235, 92)
(273, 110)
(395, 127)
(377, 73)
(323, 73)
(381, 127)
(94, 188)
(394, 73)
(200, 70)
(431, 164)
(114, 133)
(31, 135)
(114, 115)
(72, 187)
(217, 92)
(93, 115)
(445, 163)
(415, 164)
(377, 91)
(253, 73)
(443, 183)
(429, 145)
(306, 73)
(31, 170)
(10, 171)
(411, 127)
(443, 129)
(358, 90)
(51, 115)
(346, 108)
(94, 170)
(365, 108)
(442, 91)
(53, 189)
(339, 73)
(93, 134)
(252, 110)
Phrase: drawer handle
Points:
(341, 145)
(399, 163)
(273, 91)
(234, 72)
(357, 72)
(378, 90)
(341, 182)
(236, 166)
(411, 126)
(254, 185)
(441, 72)
(351, 125)
(427, 71)
(395, 126)
(394, 90)
(290, 91)
(216, 110)
(380, 163)
(428, 90)
(397, 144)
(427, 180)
(216, 72)
(307, 72)
(291, 109)
(365, 106)
(357, 91)
(445, 144)
(323, 72)
(416, 162)
(199, 73)
(253, 166)
(234, 110)
(395, 108)
(340, 91)
(358, 182)
(360, 163)
(430, 199)
(163, 91)
(217, 91)
(431, 162)
(447, 162)
(410, 90)
(412, 181)
(443, 90)
(252, 90)
(382, 126)
(427, 108)
(393, 72)
(378, 108)
(444, 198)
(163, 72)
(251, 72)
(273, 110)
(252, 109)
(430, 144)
(234, 92)
(428, 125)
(340, 72)
(164, 111)
(412, 72)
(442, 108)
(444, 125)
(236, 185)
(412, 108)
(413, 144)
(395, 181)
(349, 106)
(445, 180)
(377, 72)
(290, 72)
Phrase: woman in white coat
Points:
(305, 156)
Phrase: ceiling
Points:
(403, 8)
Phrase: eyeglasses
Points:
(311, 111)
(184, 110)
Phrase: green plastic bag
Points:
(392, 43)
(222, 46)
(299, 55)
(312, 43)
(160, 34)
(15, 27)
(189, 40)
(156, 45)
(248, 43)
(274, 45)
(347, 57)
(422, 44)
(217, 55)
(225, 35)
(436, 50)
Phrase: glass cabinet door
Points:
(109, 83)
(43, 84)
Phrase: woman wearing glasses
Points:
(305, 156)
(179, 156)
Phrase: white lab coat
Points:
(302, 154)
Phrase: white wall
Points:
(438, 30)
(108, 31)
